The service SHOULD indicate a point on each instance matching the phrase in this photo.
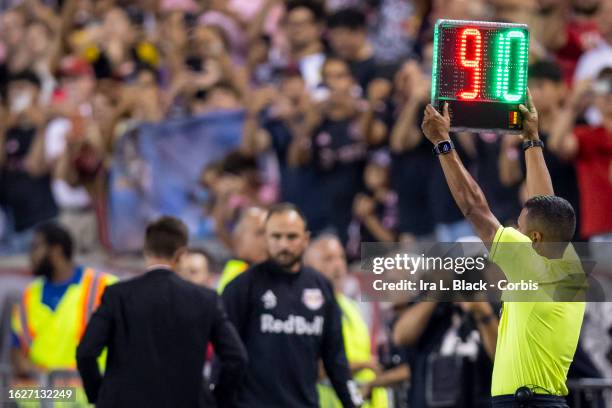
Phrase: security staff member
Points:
(326, 255)
(537, 340)
(156, 327)
(50, 319)
(289, 320)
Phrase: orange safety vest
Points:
(50, 337)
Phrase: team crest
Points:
(312, 298)
(269, 300)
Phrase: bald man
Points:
(288, 317)
(326, 255)
(248, 244)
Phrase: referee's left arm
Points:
(538, 178)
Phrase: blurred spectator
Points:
(235, 185)
(411, 164)
(326, 255)
(600, 56)
(220, 96)
(348, 40)
(117, 39)
(51, 318)
(248, 246)
(274, 119)
(264, 36)
(426, 207)
(450, 349)
(393, 30)
(375, 210)
(25, 182)
(75, 145)
(303, 25)
(196, 266)
(591, 148)
(578, 34)
(338, 133)
(258, 65)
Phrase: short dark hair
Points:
(290, 71)
(315, 7)
(350, 18)
(165, 236)
(545, 70)
(55, 234)
(237, 163)
(554, 215)
(605, 73)
(223, 86)
(281, 208)
(26, 75)
(143, 67)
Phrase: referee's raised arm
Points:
(538, 178)
(467, 194)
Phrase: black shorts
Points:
(537, 401)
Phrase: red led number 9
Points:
(474, 63)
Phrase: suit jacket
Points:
(156, 328)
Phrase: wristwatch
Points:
(443, 147)
(528, 144)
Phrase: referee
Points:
(536, 340)
(289, 321)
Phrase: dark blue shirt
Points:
(288, 322)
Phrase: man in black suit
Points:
(156, 328)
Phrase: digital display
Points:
(480, 69)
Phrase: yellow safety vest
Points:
(50, 337)
(233, 268)
(357, 347)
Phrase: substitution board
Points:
(480, 69)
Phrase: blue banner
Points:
(155, 171)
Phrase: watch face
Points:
(444, 147)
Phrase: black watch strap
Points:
(528, 144)
(443, 147)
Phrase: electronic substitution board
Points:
(480, 69)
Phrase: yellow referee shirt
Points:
(536, 341)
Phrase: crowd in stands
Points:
(332, 94)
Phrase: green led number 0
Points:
(502, 75)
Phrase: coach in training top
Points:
(536, 340)
(156, 328)
(289, 320)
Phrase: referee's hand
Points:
(436, 126)
(530, 119)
